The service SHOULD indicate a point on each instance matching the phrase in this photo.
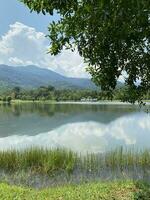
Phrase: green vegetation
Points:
(50, 162)
(93, 191)
(111, 36)
(124, 93)
(27, 164)
(49, 93)
(6, 99)
(38, 160)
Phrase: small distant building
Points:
(89, 99)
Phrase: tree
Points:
(15, 92)
(9, 99)
(113, 37)
(50, 88)
(4, 99)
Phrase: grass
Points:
(51, 161)
(37, 160)
(127, 190)
(18, 101)
(48, 160)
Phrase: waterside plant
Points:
(48, 161)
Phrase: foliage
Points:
(128, 94)
(44, 93)
(9, 99)
(15, 92)
(112, 37)
(6, 99)
(50, 93)
(93, 191)
(143, 192)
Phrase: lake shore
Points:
(40, 168)
(118, 190)
(107, 102)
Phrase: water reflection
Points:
(32, 119)
(130, 130)
(51, 109)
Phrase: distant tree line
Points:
(44, 93)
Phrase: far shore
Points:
(107, 102)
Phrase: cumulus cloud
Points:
(23, 45)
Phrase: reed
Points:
(51, 161)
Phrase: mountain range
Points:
(32, 77)
(29, 77)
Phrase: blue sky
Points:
(23, 41)
(12, 11)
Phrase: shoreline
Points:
(86, 191)
(103, 102)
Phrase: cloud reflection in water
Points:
(89, 136)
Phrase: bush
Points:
(9, 99)
(4, 99)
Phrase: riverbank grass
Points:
(93, 191)
(54, 162)
(49, 161)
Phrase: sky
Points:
(23, 41)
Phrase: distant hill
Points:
(33, 77)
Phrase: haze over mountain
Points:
(33, 77)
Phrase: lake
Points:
(80, 127)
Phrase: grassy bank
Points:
(93, 191)
(73, 175)
(49, 160)
(18, 101)
(29, 101)
(43, 167)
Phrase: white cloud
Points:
(23, 45)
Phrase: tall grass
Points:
(38, 167)
(49, 161)
(38, 160)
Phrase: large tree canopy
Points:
(113, 36)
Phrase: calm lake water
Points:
(80, 127)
